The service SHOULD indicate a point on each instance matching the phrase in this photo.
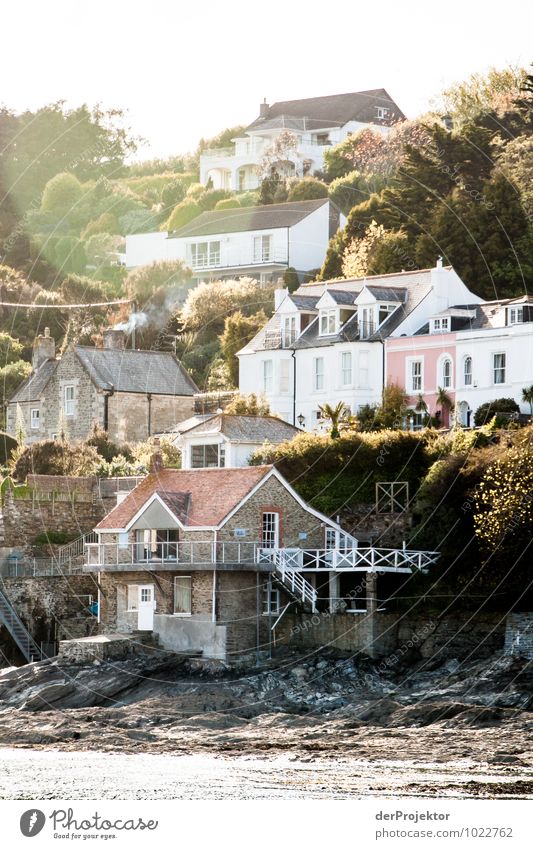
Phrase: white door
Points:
(145, 620)
(270, 530)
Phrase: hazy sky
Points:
(186, 70)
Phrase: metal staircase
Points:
(19, 632)
(295, 584)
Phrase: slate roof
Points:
(34, 385)
(197, 497)
(331, 110)
(256, 429)
(339, 297)
(388, 293)
(136, 371)
(268, 217)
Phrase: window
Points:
(328, 322)
(446, 373)
(366, 322)
(289, 330)
(322, 138)
(498, 368)
(382, 112)
(183, 595)
(268, 375)
(363, 369)
(515, 315)
(445, 323)
(35, 418)
(318, 374)
(346, 368)
(204, 254)
(270, 530)
(436, 325)
(208, 456)
(416, 375)
(467, 371)
(69, 400)
(384, 311)
(133, 597)
(284, 376)
(262, 248)
(271, 602)
(441, 325)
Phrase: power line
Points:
(65, 306)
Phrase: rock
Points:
(41, 697)
(299, 672)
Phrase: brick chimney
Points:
(44, 348)
(264, 109)
(115, 339)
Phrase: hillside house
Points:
(259, 241)
(325, 342)
(210, 559)
(131, 394)
(227, 441)
(315, 123)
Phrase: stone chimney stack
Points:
(114, 339)
(44, 348)
(264, 109)
(157, 464)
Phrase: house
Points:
(131, 394)
(210, 559)
(325, 342)
(315, 123)
(221, 440)
(476, 352)
(258, 241)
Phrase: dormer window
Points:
(384, 311)
(289, 330)
(382, 112)
(515, 315)
(328, 322)
(440, 325)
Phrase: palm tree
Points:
(335, 415)
(443, 400)
(527, 396)
(422, 407)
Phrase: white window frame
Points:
(262, 248)
(382, 112)
(270, 529)
(446, 374)
(268, 376)
(469, 381)
(284, 377)
(271, 601)
(499, 369)
(328, 322)
(346, 368)
(35, 418)
(318, 374)
(289, 330)
(221, 455)
(412, 377)
(515, 315)
(188, 590)
(69, 404)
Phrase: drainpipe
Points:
(107, 396)
(149, 398)
(294, 387)
(133, 312)
(257, 614)
(214, 590)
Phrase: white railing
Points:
(362, 559)
(234, 260)
(297, 584)
(169, 554)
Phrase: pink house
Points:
(422, 364)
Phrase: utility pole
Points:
(133, 313)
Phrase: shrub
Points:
(209, 199)
(248, 199)
(7, 445)
(173, 193)
(106, 448)
(184, 212)
(227, 203)
(195, 190)
(11, 376)
(53, 538)
(54, 457)
(61, 193)
(307, 189)
(352, 189)
(487, 411)
(105, 223)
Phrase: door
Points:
(270, 536)
(146, 607)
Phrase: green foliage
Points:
(54, 457)
(7, 446)
(290, 279)
(173, 193)
(166, 276)
(238, 330)
(11, 376)
(273, 189)
(53, 537)
(184, 212)
(248, 199)
(248, 405)
(61, 194)
(69, 255)
(352, 189)
(336, 415)
(227, 203)
(309, 188)
(100, 440)
(105, 223)
(10, 349)
(485, 412)
(210, 198)
(208, 305)
(143, 451)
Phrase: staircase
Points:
(295, 584)
(18, 631)
(72, 555)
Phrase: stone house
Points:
(211, 559)
(131, 394)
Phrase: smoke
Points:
(156, 312)
(134, 322)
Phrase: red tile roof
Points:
(208, 494)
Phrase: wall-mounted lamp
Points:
(301, 420)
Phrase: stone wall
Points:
(519, 634)
(134, 417)
(385, 634)
(385, 530)
(52, 608)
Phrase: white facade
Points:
(325, 343)
(260, 253)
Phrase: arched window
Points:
(446, 373)
(467, 371)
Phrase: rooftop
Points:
(245, 428)
(240, 220)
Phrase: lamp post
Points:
(301, 420)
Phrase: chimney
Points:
(44, 348)
(157, 464)
(279, 297)
(264, 109)
(114, 339)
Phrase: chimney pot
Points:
(264, 109)
(114, 339)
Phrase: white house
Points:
(259, 241)
(227, 441)
(325, 342)
(315, 123)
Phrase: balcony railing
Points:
(231, 260)
(215, 152)
(173, 555)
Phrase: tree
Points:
(335, 415)
(173, 193)
(10, 349)
(278, 153)
(391, 412)
(105, 223)
(61, 194)
(238, 330)
(172, 276)
(527, 396)
(184, 212)
(353, 188)
(54, 457)
(309, 188)
(273, 189)
(208, 305)
(248, 405)
(492, 92)
(357, 255)
(487, 411)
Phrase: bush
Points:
(7, 446)
(173, 193)
(54, 457)
(184, 212)
(53, 538)
(106, 448)
(61, 194)
(248, 199)
(105, 223)
(307, 189)
(290, 279)
(352, 189)
(11, 376)
(487, 411)
(10, 349)
(195, 190)
(209, 199)
(227, 203)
